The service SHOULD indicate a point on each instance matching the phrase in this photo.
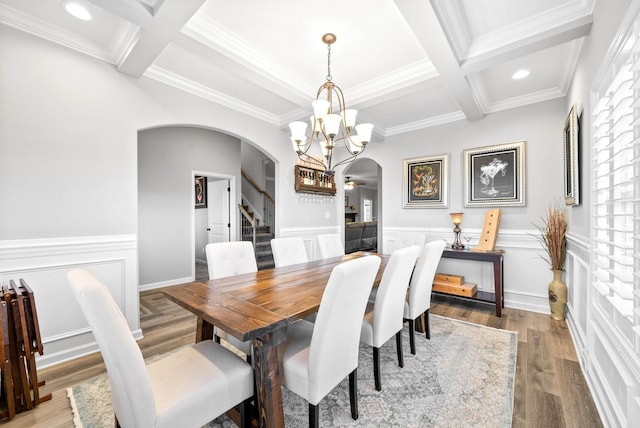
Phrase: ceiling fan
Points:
(350, 184)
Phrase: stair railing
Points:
(252, 209)
(269, 203)
(247, 222)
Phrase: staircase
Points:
(263, 237)
(264, 256)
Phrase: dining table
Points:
(258, 307)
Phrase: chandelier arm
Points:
(347, 160)
(310, 159)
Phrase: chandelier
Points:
(329, 128)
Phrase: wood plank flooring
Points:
(550, 390)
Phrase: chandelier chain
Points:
(329, 63)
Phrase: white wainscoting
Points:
(308, 235)
(43, 264)
(613, 377)
(526, 274)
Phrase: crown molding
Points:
(418, 72)
(524, 100)
(425, 123)
(194, 88)
(225, 42)
(55, 34)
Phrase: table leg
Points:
(204, 330)
(268, 385)
(497, 279)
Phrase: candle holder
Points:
(456, 218)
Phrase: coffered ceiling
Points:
(404, 64)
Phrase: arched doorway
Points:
(363, 202)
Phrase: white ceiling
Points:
(404, 64)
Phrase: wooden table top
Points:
(251, 305)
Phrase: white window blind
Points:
(615, 194)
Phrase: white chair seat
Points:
(383, 317)
(211, 370)
(315, 358)
(366, 332)
(296, 353)
(188, 388)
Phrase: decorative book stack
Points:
(453, 284)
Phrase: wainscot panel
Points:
(526, 274)
(44, 263)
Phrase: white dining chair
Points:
(315, 358)
(228, 259)
(330, 245)
(419, 297)
(383, 317)
(188, 388)
(288, 251)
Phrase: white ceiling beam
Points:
(505, 46)
(424, 23)
(169, 19)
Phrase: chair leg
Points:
(314, 416)
(353, 393)
(399, 348)
(412, 339)
(376, 368)
(427, 328)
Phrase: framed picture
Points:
(200, 189)
(495, 175)
(426, 182)
(570, 148)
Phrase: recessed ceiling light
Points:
(520, 74)
(78, 10)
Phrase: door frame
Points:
(233, 213)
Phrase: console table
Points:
(495, 257)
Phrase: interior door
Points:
(218, 210)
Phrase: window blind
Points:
(615, 194)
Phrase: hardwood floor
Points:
(550, 390)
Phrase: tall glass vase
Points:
(557, 296)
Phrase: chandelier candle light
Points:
(456, 218)
(328, 127)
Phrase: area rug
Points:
(462, 377)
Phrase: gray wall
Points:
(540, 125)
(167, 158)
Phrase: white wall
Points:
(167, 159)
(540, 125)
(68, 174)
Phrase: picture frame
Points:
(571, 157)
(495, 175)
(426, 182)
(200, 191)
